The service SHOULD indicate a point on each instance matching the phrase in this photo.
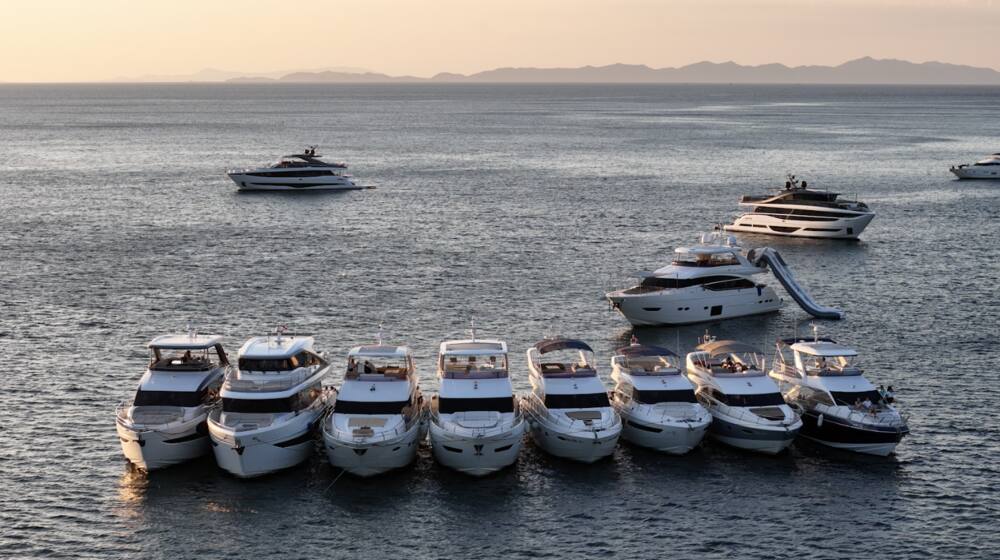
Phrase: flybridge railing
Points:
(164, 417)
(357, 434)
(879, 417)
(669, 411)
(534, 407)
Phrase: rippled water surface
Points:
(517, 206)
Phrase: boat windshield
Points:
(831, 365)
(490, 365)
(387, 366)
(566, 361)
(183, 360)
(650, 364)
(705, 260)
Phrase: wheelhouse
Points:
(563, 357)
(646, 360)
(815, 357)
(729, 358)
(186, 353)
(379, 362)
(473, 359)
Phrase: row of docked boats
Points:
(264, 413)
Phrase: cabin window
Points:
(765, 399)
(255, 364)
(168, 398)
(498, 404)
(653, 397)
(734, 284)
(365, 407)
(588, 400)
(260, 406)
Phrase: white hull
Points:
(322, 183)
(977, 172)
(839, 228)
(476, 455)
(674, 438)
(753, 437)
(150, 449)
(364, 458)
(695, 305)
(252, 453)
(578, 445)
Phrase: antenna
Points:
(378, 336)
(473, 322)
(190, 330)
(815, 332)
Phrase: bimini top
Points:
(824, 348)
(706, 250)
(185, 342)
(641, 350)
(472, 347)
(554, 344)
(275, 347)
(720, 347)
(380, 350)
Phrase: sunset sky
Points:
(93, 40)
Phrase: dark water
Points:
(516, 206)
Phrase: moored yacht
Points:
(709, 281)
(295, 172)
(747, 408)
(476, 425)
(799, 211)
(377, 422)
(164, 424)
(568, 406)
(840, 408)
(270, 406)
(656, 402)
(987, 168)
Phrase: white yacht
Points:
(655, 401)
(476, 426)
(709, 281)
(987, 168)
(568, 407)
(840, 408)
(747, 408)
(377, 423)
(164, 424)
(271, 406)
(295, 172)
(799, 211)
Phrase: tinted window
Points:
(361, 407)
(767, 399)
(259, 406)
(848, 398)
(167, 398)
(653, 397)
(590, 400)
(254, 364)
(499, 404)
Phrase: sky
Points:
(96, 40)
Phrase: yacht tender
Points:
(988, 168)
(164, 424)
(656, 403)
(823, 379)
(709, 281)
(747, 408)
(476, 425)
(270, 406)
(799, 211)
(568, 407)
(377, 422)
(295, 172)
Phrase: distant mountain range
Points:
(865, 70)
(215, 75)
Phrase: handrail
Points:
(184, 415)
(650, 410)
(534, 402)
(744, 414)
(410, 420)
(434, 415)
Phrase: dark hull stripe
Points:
(834, 430)
(303, 438)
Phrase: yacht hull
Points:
(476, 455)
(675, 439)
(839, 228)
(246, 182)
(840, 434)
(582, 446)
(363, 458)
(770, 441)
(150, 449)
(977, 172)
(694, 305)
(253, 453)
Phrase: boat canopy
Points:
(185, 342)
(382, 350)
(641, 350)
(824, 348)
(552, 345)
(720, 347)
